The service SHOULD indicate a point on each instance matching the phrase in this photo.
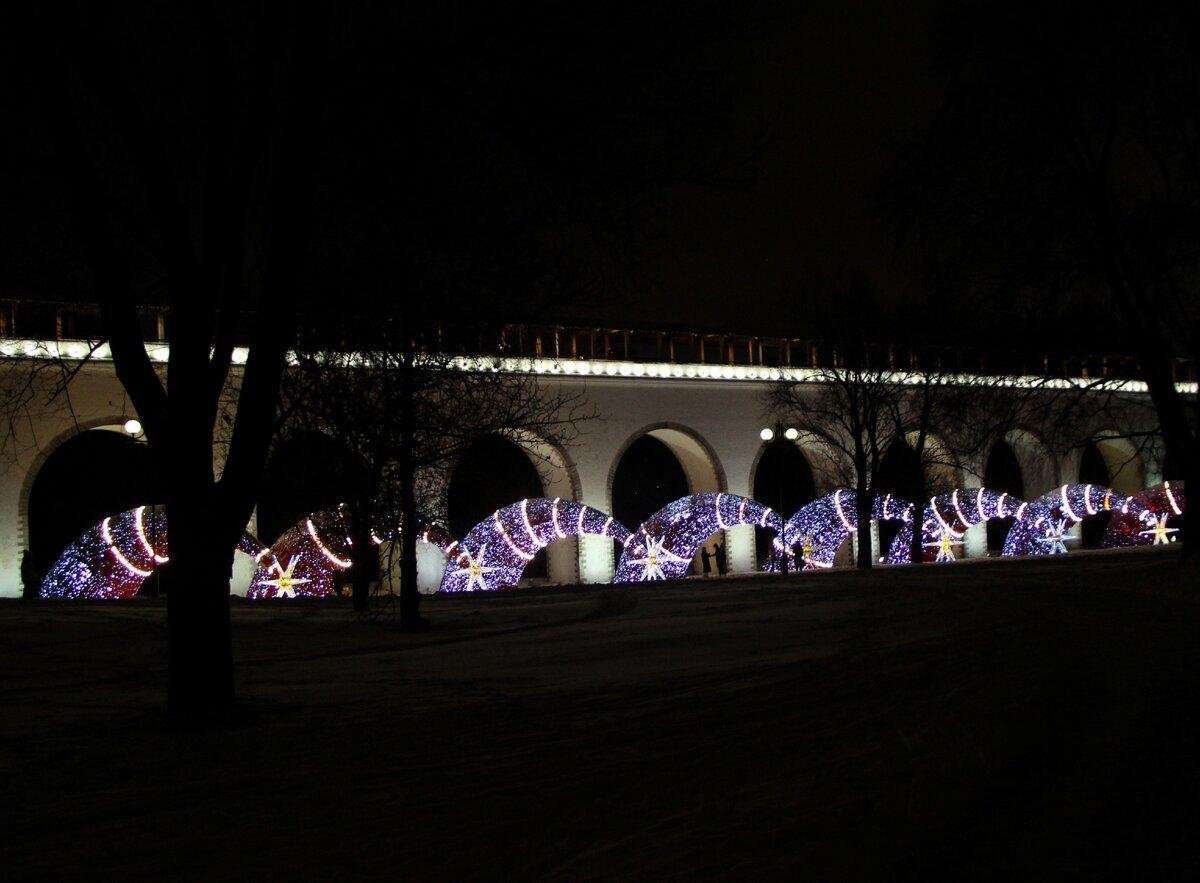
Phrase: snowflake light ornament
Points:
(656, 555)
(1157, 528)
(285, 583)
(1056, 537)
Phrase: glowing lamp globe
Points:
(133, 427)
(767, 433)
(791, 433)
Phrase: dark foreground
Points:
(989, 720)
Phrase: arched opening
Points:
(306, 473)
(93, 474)
(657, 467)
(1093, 469)
(648, 477)
(900, 475)
(784, 481)
(1002, 474)
(1126, 475)
(492, 473)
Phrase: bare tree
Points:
(190, 159)
(848, 412)
(1060, 187)
(405, 411)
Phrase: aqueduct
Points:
(672, 423)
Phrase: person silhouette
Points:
(720, 556)
(705, 560)
(31, 582)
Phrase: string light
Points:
(491, 557)
(1042, 524)
(827, 522)
(113, 558)
(941, 534)
(671, 537)
(1149, 517)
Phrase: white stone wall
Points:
(712, 425)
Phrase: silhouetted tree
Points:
(1061, 181)
(182, 156)
(406, 410)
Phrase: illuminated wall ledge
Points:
(71, 350)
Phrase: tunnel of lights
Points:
(306, 559)
(665, 544)
(1152, 519)
(946, 519)
(112, 559)
(1046, 523)
(495, 553)
(820, 528)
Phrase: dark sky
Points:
(839, 86)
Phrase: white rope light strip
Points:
(1171, 498)
(516, 549)
(325, 550)
(106, 532)
(837, 505)
(140, 528)
(558, 531)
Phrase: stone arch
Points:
(940, 469)
(830, 467)
(490, 474)
(560, 478)
(790, 484)
(1002, 472)
(1126, 468)
(696, 457)
(1039, 465)
(312, 450)
(697, 461)
(114, 423)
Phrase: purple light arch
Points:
(664, 546)
(495, 553)
(821, 527)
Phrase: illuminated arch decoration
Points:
(111, 560)
(306, 559)
(496, 551)
(664, 546)
(946, 520)
(820, 527)
(1153, 518)
(1044, 526)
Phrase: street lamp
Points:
(133, 426)
(768, 435)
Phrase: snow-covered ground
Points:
(988, 719)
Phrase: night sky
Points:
(839, 86)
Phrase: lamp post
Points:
(133, 427)
(768, 435)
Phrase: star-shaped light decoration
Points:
(1157, 528)
(285, 584)
(656, 554)
(473, 569)
(806, 552)
(945, 543)
(1056, 537)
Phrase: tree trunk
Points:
(199, 639)
(410, 597)
(862, 505)
(916, 548)
(1179, 438)
(365, 557)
